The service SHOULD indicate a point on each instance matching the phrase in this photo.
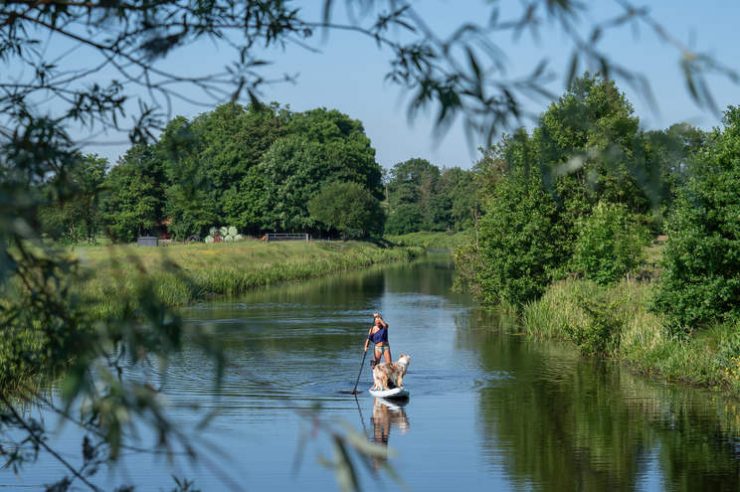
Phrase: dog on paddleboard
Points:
(386, 374)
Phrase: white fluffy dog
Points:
(393, 373)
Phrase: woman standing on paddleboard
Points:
(378, 334)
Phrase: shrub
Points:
(609, 243)
(582, 312)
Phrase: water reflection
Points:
(385, 416)
(491, 410)
(565, 420)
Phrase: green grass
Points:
(615, 321)
(182, 274)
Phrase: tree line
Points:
(258, 168)
(580, 194)
(585, 190)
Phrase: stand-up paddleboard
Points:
(400, 392)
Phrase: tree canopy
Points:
(347, 208)
(253, 167)
(569, 198)
(422, 197)
(701, 282)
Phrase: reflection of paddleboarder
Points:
(386, 414)
(378, 334)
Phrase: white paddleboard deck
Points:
(400, 392)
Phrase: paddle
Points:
(362, 364)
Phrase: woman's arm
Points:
(367, 340)
(382, 321)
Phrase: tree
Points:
(609, 243)
(460, 188)
(669, 152)
(134, 196)
(319, 147)
(588, 143)
(701, 282)
(521, 235)
(412, 192)
(73, 212)
(349, 209)
(576, 184)
(404, 218)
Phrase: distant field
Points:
(181, 274)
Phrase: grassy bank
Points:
(615, 321)
(182, 274)
(433, 240)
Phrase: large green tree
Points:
(669, 152)
(133, 202)
(590, 149)
(347, 208)
(413, 202)
(701, 281)
(460, 188)
(206, 161)
(521, 235)
(586, 149)
(319, 147)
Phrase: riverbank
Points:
(182, 274)
(615, 321)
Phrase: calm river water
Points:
(488, 410)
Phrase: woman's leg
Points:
(387, 355)
(376, 356)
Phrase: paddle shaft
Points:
(362, 364)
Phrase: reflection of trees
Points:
(567, 421)
(433, 277)
(343, 289)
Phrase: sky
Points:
(348, 73)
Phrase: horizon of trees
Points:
(581, 193)
(258, 168)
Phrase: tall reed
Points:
(616, 321)
(183, 274)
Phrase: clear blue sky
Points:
(349, 73)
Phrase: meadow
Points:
(182, 274)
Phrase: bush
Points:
(609, 243)
(701, 282)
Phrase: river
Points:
(489, 410)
